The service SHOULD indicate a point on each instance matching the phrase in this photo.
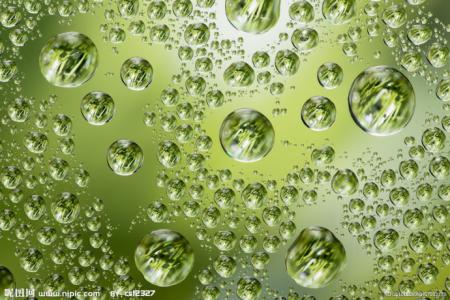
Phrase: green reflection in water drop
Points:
(381, 101)
(253, 16)
(68, 59)
(315, 258)
(164, 257)
(246, 135)
(125, 157)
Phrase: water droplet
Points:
(246, 135)
(136, 73)
(344, 182)
(66, 208)
(381, 101)
(164, 257)
(248, 288)
(315, 258)
(318, 113)
(125, 157)
(330, 75)
(338, 11)
(253, 16)
(97, 108)
(68, 60)
(239, 74)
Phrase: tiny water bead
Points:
(68, 59)
(97, 108)
(381, 101)
(315, 258)
(136, 73)
(125, 157)
(164, 257)
(253, 16)
(246, 135)
(318, 113)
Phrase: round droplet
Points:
(36, 142)
(394, 16)
(68, 60)
(330, 75)
(386, 239)
(428, 273)
(125, 157)
(97, 108)
(443, 90)
(301, 11)
(381, 101)
(182, 8)
(11, 177)
(128, 8)
(438, 55)
(239, 74)
(305, 39)
(6, 281)
(169, 154)
(344, 182)
(66, 208)
(246, 135)
(433, 139)
(419, 34)
(156, 10)
(164, 257)
(196, 34)
(253, 16)
(248, 288)
(338, 12)
(318, 113)
(287, 62)
(31, 260)
(315, 258)
(136, 73)
(225, 266)
(254, 195)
